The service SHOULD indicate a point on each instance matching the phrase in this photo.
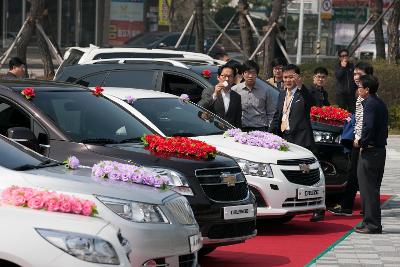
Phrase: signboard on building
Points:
(126, 20)
(326, 9)
(350, 14)
(163, 12)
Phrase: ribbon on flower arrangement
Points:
(47, 200)
(258, 138)
(179, 146)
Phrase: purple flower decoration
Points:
(184, 98)
(258, 138)
(115, 171)
(130, 99)
(71, 163)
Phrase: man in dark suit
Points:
(292, 117)
(221, 100)
(317, 89)
(371, 163)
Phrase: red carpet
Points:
(292, 244)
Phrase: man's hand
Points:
(356, 143)
(218, 88)
(344, 62)
(298, 81)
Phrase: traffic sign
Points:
(326, 9)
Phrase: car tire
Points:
(206, 250)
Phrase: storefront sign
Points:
(163, 12)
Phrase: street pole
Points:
(300, 34)
(319, 32)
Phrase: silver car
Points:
(159, 224)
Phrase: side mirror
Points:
(24, 136)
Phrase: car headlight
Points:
(85, 247)
(255, 168)
(177, 180)
(326, 137)
(135, 211)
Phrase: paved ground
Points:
(375, 250)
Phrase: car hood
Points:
(80, 181)
(253, 153)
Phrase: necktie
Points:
(286, 109)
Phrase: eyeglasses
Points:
(344, 55)
(278, 68)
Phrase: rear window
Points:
(72, 59)
(138, 79)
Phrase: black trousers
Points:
(346, 101)
(371, 165)
(351, 188)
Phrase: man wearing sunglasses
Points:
(345, 85)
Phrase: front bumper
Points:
(278, 196)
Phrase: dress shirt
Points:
(255, 104)
(226, 97)
(289, 107)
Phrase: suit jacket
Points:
(320, 96)
(234, 113)
(300, 132)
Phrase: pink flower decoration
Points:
(36, 202)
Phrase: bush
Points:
(394, 117)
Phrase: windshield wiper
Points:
(131, 140)
(44, 164)
(184, 134)
(215, 133)
(98, 141)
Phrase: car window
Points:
(85, 117)
(12, 116)
(178, 118)
(114, 55)
(92, 80)
(140, 79)
(178, 85)
(72, 59)
(170, 40)
(13, 156)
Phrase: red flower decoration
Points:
(97, 91)
(329, 114)
(28, 92)
(179, 145)
(206, 73)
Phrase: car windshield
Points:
(143, 40)
(175, 117)
(87, 118)
(17, 157)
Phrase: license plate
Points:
(195, 243)
(237, 212)
(305, 193)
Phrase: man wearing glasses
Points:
(221, 100)
(345, 86)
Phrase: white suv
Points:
(281, 186)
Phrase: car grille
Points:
(217, 190)
(294, 162)
(181, 210)
(187, 260)
(299, 177)
(294, 202)
(229, 230)
(259, 199)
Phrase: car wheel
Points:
(206, 250)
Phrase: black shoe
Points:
(337, 210)
(366, 230)
(317, 216)
(360, 226)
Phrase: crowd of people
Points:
(242, 102)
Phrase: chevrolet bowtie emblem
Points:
(229, 179)
(305, 168)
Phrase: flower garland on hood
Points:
(258, 138)
(180, 145)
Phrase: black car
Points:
(64, 119)
(190, 81)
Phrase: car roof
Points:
(138, 61)
(16, 85)
(123, 93)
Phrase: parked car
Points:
(282, 190)
(162, 237)
(64, 119)
(168, 40)
(36, 238)
(178, 80)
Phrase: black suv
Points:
(65, 119)
(177, 80)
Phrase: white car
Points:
(36, 238)
(159, 224)
(285, 183)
